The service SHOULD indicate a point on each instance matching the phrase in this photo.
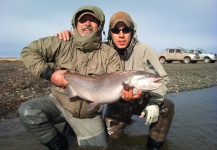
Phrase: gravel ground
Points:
(17, 84)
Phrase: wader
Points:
(118, 115)
(39, 115)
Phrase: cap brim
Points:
(87, 13)
(122, 20)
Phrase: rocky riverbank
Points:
(17, 84)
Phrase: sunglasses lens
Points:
(126, 30)
(117, 30)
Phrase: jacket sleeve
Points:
(38, 54)
(153, 65)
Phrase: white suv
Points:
(205, 56)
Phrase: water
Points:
(194, 127)
(195, 122)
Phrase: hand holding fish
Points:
(128, 95)
(58, 79)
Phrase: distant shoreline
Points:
(10, 59)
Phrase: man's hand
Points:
(152, 114)
(58, 79)
(127, 94)
(114, 128)
(65, 35)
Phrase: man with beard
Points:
(83, 53)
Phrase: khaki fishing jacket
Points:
(87, 55)
(139, 56)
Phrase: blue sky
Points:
(190, 24)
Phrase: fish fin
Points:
(125, 85)
(69, 92)
(91, 106)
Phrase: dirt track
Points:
(17, 84)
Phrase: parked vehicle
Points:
(204, 56)
(177, 54)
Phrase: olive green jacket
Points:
(87, 55)
(139, 56)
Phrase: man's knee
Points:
(31, 115)
(167, 108)
(36, 121)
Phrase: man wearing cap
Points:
(135, 55)
(83, 53)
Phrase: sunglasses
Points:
(124, 30)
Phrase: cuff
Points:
(47, 73)
(154, 101)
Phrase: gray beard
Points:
(84, 34)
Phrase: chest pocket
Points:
(90, 64)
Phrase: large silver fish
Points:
(107, 88)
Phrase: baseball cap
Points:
(120, 16)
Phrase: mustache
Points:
(90, 28)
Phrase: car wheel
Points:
(187, 60)
(162, 60)
(206, 60)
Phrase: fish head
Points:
(146, 82)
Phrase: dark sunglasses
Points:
(124, 30)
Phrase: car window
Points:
(199, 52)
(178, 51)
(191, 51)
(171, 51)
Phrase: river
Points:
(194, 126)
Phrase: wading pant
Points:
(118, 115)
(39, 115)
(159, 130)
